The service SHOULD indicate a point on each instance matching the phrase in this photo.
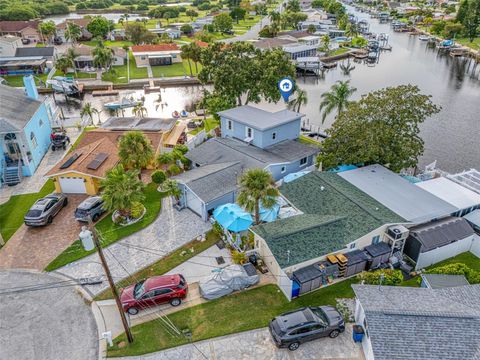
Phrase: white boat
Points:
(424, 38)
(63, 85)
(122, 104)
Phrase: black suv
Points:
(295, 327)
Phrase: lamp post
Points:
(89, 239)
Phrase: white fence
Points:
(197, 140)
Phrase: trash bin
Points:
(358, 333)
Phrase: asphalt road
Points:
(46, 324)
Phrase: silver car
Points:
(91, 207)
(44, 210)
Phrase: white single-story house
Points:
(9, 44)
(156, 55)
(418, 323)
(84, 56)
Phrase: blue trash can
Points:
(358, 333)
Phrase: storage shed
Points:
(436, 241)
(309, 278)
(379, 254)
(356, 262)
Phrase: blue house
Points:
(251, 138)
(25, 128)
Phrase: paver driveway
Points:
(257, 344)
(170, 230)
(35, 248)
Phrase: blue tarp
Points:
(269, 215)
(342, 168)
(232, 217)
(293, 176)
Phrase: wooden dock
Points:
(107, 92)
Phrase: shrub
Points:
(470, 274)
(238, 257)
(390, 277)
(174, 170)
(218, 230)
(137, 210)
(159, 176)
(181, 148)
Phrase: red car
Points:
(153, 291)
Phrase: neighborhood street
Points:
(257, 344)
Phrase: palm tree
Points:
(121, 190)
(326, 43)
(88, 110)
(165, 158)
(71, 55)
(300, 100)
(195, 55)
(63, 64)
(135, 150)
(140, 110)
(102, 56)
(257, 187)
(171, 188)
(336, 98)
(187, 54)
(275, 17)
(73, 32)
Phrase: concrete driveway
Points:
(45, 324)
(35, 248)
(257, 344)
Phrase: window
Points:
(142, 57)
(33, 140)
(284, 168)
(376, 239)
(229, 125)
(274, 135)
(352, 246)
(40, 123)
(316, 327)
(302, 330)
(162, 291)
(149, 295)
(303, 161)
(249, 132)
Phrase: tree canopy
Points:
(382, 127)
(99, 26)
(223, 23)
(241, 73)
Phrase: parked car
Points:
(154, 291)
(296, 327)
(25, 41)
(44, 210)
(91, 207)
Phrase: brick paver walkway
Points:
(35, 248)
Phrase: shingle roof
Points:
(407, 200)
(16, 109)
(223, 176)
(338, 213)
(420, 323)
(258, 118)
(221, 150)
(439, 281)
(14, 26)
(136, 123)
(9, 38)
(35, 51)
(154, 48)
(272, 43)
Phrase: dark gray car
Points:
(296, 327)
(91, 207)
(44, 210)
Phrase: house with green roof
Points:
(334, 217)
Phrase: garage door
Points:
(194, 203)
(72, 185)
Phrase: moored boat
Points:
(122, 104)
(175, 114)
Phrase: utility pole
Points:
(93, 234)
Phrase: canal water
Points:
(450, 136)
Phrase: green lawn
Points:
(110, 232)
(13, 211)
(339, 51)
(166, 263)
(237, 312)
(177, 69)
(474, 45)
(109, 43)
(17, 80)
(121, 72)
(210, 124)
(308, 140)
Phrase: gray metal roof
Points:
(258, 118)
(16, 109)
(473, 217)
(136, 123)
(421, 323)
(219, 181)
(292, 150)
(34, 51)
(440, 233)
(439, 281)
(407, 200)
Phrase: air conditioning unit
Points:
(397, 232)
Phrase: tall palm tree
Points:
(298, 101)
(275, 17)
(195, 55)
(165, 158)
(257, 187)
(88, 110)
(71, 55)
(102, 56)
(187, 54)
(73, 32)
(121, 190)
(140, 110)
(326, 43)
(135, 150)
(336, 98)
